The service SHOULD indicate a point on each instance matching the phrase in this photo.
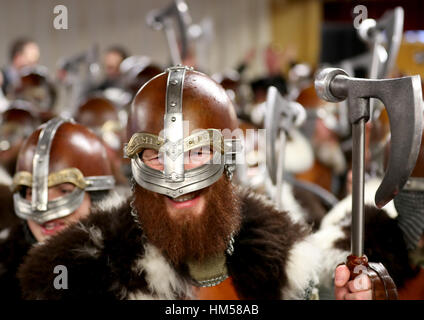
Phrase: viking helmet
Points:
(36, 87)
(160, 114)
(16, 124)
(59, 151)
(101, 116)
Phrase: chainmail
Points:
(134, 212)
(410, 207)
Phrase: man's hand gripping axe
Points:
(402, 99)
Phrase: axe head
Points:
(280, 114)
(402, 98)
(404, 104)
(159, 19)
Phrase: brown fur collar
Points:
(7, 217)
(314, 208)
(107, 256)
(262, 248)
(13, 249)
(98, 253)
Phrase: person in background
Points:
(112, 59)
(24, 52)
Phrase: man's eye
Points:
(66, 190)
(201, 152)
(151, 159)
(28, 192)
(148, 155)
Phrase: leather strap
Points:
(383, 287)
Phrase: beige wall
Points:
(239, 25)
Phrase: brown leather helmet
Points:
(60, 151)
(143, 76)
(17, 123)
(205, 105)
(95, 111)
(156, 122)
(36, 87)
(100, 115)
(136, 71)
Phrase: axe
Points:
(161, 19)
(384, 37)
(402, 99)
(281, 117)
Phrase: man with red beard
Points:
(186, 224)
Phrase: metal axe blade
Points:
(280, 116)
(402, 98)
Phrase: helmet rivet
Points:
(173, 176)
(174, 82)
(180, 191)
(173, 104)
(174, 194)
(173, 119)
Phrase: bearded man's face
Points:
(193, 226)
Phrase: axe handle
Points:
(358, 177)
(171, 39)
(280, 170)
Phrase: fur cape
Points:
(107, 256)
(15, 243)
(8, 217)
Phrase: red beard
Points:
(190, 237)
